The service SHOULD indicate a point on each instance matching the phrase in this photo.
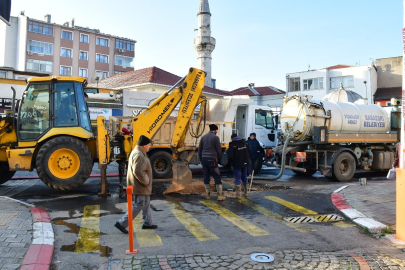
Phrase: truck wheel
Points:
(258, 165)
(344, 167)
(64, 163)
(5, 172)
(161, 163)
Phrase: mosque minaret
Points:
(204, 44)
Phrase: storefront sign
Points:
(96, 112)
(6, 102)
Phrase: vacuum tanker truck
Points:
(335, 138)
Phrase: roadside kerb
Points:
(356, 216)
(39, 254)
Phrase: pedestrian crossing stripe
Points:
(306, 211)
(89, 233)
(271, 214)
(235, 219)
(145, 238)
(190, 222)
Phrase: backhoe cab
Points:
(52, 133)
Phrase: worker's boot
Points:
(220, 196)
(238, 192)
(245, 190)
(207, 192)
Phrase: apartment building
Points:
(63, 49)
(320, 82)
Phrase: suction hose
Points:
(282, 160)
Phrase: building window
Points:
(84, 38)
(105, 73)
(39, 47)
(40, 28)
(83, 72)
(66, 52)
(83, 55)
(67, 35)
(124, 45)
(347, 82)
(102, 42)
(124, 61)
(102, 58)
(67, 71)
(294, 84)
(313, 84)
(3, 75)
(39, 66)
(118, 72)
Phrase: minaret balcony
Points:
(204, 40)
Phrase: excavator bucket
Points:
(181, 176)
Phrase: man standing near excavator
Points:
(209, 151)
(139, 175)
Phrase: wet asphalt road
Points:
(264, 228)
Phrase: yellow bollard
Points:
(400, 204)
(130, 223)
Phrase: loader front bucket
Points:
(181, 176)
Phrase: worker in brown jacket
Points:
(139, 175)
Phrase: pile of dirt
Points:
(197, 186)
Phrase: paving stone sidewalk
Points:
(16, 228)
(376, 200)
(286, 259)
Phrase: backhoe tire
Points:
(344, 167)
(161, 162)
(5, 173)
(64, 163)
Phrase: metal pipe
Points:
(287, 167)
(13, 105)
(174, 86)
(300, 143)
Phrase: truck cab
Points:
(260, 120)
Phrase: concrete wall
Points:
(5, 88)
(389, 71)
(159, 89)
(8, 42)
(21, 48)
(268, 100)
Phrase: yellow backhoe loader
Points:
(52, 132)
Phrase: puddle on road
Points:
(74, 228)
(105, 251)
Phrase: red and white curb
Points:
(39, 254)
(356, 216)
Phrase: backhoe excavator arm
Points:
(150, 121)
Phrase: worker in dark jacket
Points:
(238, 154)
(255, 151)
(209, 151)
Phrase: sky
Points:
(257, 41)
